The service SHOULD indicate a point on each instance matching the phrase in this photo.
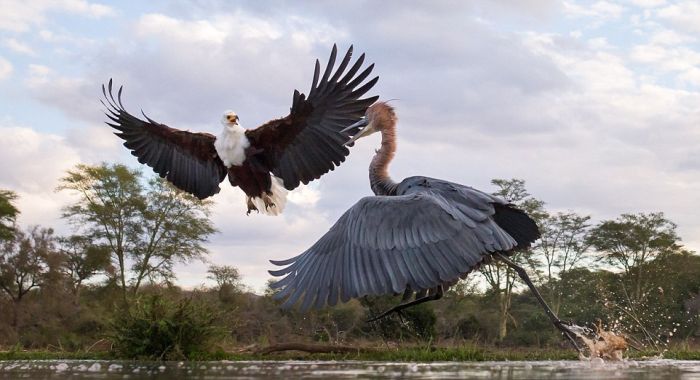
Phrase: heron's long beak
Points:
(366, 130)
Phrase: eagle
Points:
(264, 162)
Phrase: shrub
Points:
(156, 328)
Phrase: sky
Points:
(595, 104)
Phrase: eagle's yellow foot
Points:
(251, 206)
(267, 199)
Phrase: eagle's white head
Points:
(229, 119)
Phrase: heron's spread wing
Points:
(384, 244)
(308, 143)
(188, 160)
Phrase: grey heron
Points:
(416, 237)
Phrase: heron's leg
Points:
(397, 309)
(557, 322)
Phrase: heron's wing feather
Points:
(188, 160)
(473, 202)
(308, 143)
(385, 244)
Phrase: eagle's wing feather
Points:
(188, 160)
(308, 142)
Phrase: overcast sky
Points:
(595, 104)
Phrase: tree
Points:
(227, 280)
(24, 264)
(82, 259)
(8, 214)
(175, 227)
(500, 277)
(563, 244)
(632, 240)
(149, 225)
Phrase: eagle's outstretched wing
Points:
(308, 142)
(188, 160)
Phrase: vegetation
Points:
(107, 290)
(156, 328)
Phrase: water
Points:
(84, 369)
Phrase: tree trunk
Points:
(15, 314)
(502, 316)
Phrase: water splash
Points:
(601, 343)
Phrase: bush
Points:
(155, 328)
(416, 322)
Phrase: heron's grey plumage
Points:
(430, 233)
(418, 237)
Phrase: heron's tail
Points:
(517, 224)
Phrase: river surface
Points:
(91, 369)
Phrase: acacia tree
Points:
(82, 259)
(499, 276)
(632, 240)
(563, 245)
(25, 264)
(175, 227)
(147, 225)
(227, 280)
(8, 214)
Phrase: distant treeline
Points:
(111, 286)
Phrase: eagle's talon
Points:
(251, 206)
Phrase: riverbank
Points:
(411, 354)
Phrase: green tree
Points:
(499, 276)
(8, 214)
(632, 240)
(82, 259)
(563, 245)
(228, 281)
(175, 227)
(148, 224)
(25, 264)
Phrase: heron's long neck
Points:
(379, 178)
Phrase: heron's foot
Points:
(563, 326)
(568, 333)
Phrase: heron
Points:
(416, 237)
(264, 162)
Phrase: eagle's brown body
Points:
(296, 149)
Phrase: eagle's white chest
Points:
(231, 145)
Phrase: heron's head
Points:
(377, 117)
(229, 119)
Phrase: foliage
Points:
(156, 328)
(500, 277)
(632, 240)
(564, 242)
(82, 259)
(25, 264)
(152, 224)
(227, 279)
(88, 290)
(416, 322)
(563, 245)
(8, 214)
